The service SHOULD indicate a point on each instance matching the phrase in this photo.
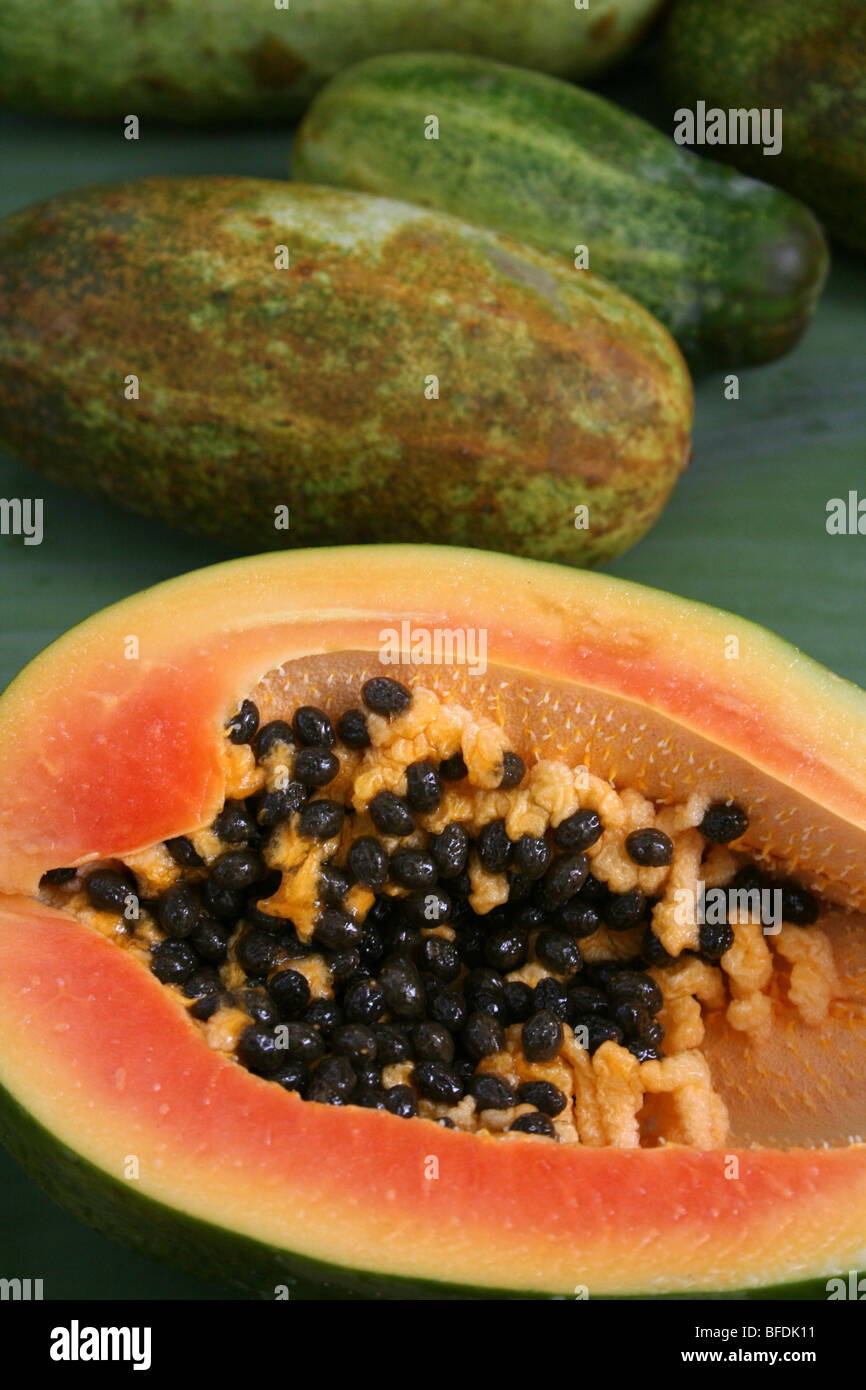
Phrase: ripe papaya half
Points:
(732, 267)
(253, 61)
(371, 936)
(808, 63)
(273, 365)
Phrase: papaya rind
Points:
(732, 267)
(275, 390)
(255, 62)
(804, 60)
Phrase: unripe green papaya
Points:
(277, 365)
(805, 60)
(198, 60)
(732, 267)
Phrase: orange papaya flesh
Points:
(728, 1159)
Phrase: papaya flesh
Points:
(248, 61)
(733, 268)
(584, 693)
(275, 365)
(807, 61)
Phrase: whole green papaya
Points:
(732, 267)
(200, 60)
(804, 60)
(277, 365)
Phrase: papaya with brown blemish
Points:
(242, 60)
(314, 365)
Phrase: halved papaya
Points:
(375, 916)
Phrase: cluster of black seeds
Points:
(402, 992)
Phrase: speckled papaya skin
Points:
(807, 59)
(199, 60)
(306, 388)
(731, 266)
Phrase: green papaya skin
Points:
(201, 60)
(313, 387)
(807, 59)
(732, 267)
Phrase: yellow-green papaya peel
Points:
(273, 364)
